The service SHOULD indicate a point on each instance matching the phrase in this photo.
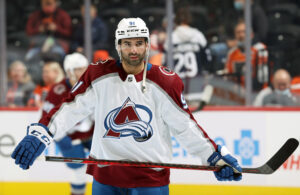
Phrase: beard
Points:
(137, 62)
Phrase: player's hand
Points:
(33, 144)
(230, 168)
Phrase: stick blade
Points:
(277, 159)
(283, 154)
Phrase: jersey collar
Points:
(123, 74)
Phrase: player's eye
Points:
(127, 44)
(139, 44)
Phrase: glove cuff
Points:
(41, 132)
(223, 150)
(214, 158)
(217, 155)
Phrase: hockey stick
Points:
(268, 168)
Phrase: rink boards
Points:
(252, 135)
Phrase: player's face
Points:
(49, 75)
(133, 51)
(78, 72)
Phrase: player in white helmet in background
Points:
(136, 108)
(75, 65)
(78, 138)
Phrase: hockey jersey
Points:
(190, 52)
(82, 130)
(130, 124)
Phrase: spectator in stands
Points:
(99, 32)
(49, 29)
(52, 73)
(20, 86)
(219, 52)
(190, 53)
(279, 93)
(235, 64)
(259, 20)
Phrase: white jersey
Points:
(130, 124)
(82, 130)
(190, 52)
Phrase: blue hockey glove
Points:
(230, 168)
(69, 149)
(33, 144)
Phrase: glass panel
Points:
(209, 57)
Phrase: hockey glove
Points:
(69, 149)
(33, 144)
(230, 168)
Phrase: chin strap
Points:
(144, 79)
(144, 89)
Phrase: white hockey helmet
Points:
(75, 60)
(131, 28)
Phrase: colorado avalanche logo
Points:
(126, 121)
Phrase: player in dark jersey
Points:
(190, 52)
(191, 57)
(78, 139)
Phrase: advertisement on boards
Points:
(252, 137)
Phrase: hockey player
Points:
(136, 107)
(79, 137)
(190, 52)
(191, 57)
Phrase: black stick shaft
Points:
(272, 165)
(130, 163)
(141, 164)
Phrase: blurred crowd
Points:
(208, 46)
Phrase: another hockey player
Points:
(190, 52)
(79, 137)
(191, 57)
(136, 107)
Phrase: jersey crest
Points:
(129, 120)
(59, 89)
(166, 71)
